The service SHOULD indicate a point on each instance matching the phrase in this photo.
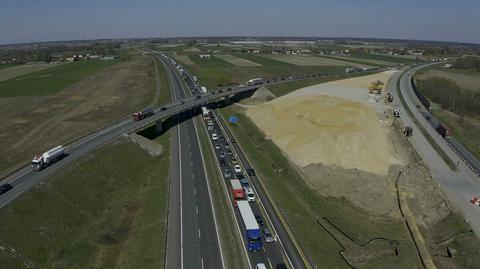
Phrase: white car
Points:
(214, 137)
(250, 194)
(237, 168)
(261, 266)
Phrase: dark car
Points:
(281, 266)
(182, 102)
(222, 162)
(259, 220)
(198, 96)
(428, 117)
(163, 108)
(5, 187)
(243, 180)
(229, 89)
(233, 140)
(251, 172)
(220, 91)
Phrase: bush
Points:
(469, 62)
(451, 97)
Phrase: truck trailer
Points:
(255, 81)
(147, 112)
(252, 231)
(238, 193)
(40, 162)
(444, 130)
(205, 112)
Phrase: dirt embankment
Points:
(33, 124)
(343, 147)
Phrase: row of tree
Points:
(469, 62)
(47, 54)
(451, 97)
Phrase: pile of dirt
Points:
(260, 96)
(313, 129)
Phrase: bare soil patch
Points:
(184, 59)
(33, 124)
(237, 61)
(312, 61)
(16, 71)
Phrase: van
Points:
(250, 194)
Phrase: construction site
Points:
(345, 142)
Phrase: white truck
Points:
(204, 89)
(40, 162)
(255, 81)
(205, 112)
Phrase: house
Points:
(448, 65)
(204, 56)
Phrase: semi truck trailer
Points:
(255, 81)
(40, 162)
(444, 130)
(252, 231)
(238, 193)
(147, 112)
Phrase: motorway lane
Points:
(459, 186)
(200, 246)
(287, 245)
(271, 253)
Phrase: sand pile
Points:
(329, 130)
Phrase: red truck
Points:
(147, 112)
(444, 130)
(237, 191)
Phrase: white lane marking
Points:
(269, 262)
(210, 194)
(199, 234)
(196, 207)
(194, 191)
(191, 164)
(203, 265)
(181, 198)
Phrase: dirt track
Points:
(30, 125)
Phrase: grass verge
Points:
(429, 138)
(107, 210)
(287, 87)
(165, 91)
(231, 242)
(303, 208)
(51, 80)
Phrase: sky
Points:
(50, 20)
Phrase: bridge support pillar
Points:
(159, 126)
(226, 99)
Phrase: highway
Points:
(283, 250)
(192, 232)
(459, 186)
(24, 179)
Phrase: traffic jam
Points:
(260, 240)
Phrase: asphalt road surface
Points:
(199, 244)
(460, 186)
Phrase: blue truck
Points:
(252, 231)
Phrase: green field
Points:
(51, 80)
(108, 210)
(287, 87)
(2, 66)
(302, 207)
(215, 72)
(386, 58)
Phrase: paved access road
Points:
(459, 185)
(192, 240)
